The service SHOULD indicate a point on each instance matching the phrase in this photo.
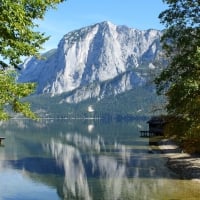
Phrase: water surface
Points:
(87, 160)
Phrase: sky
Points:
(75, 14)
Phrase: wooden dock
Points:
(146, 134)
(1, 139)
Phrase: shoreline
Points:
(183, 164)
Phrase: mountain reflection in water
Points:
(84, 160)
(83, 157)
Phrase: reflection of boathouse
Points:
(156, 125)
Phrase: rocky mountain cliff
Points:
(95, 61)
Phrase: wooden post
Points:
(1, 139)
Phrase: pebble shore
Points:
(184, 164)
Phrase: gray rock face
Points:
(94, 61)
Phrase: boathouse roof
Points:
(156, 120)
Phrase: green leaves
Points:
(12, 92)
(17, 23)
(18, 38)
(180, 81)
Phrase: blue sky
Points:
(74, 14)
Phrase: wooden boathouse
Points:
(156, 127)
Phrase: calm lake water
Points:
(86, 160)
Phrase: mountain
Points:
(96, 61)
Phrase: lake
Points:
(85, 160)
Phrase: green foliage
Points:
(139, 102)
(17, 23)
(18, 37)
(180, 81)
(12, 92)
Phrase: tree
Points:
(18, 37)
(180, 80)
(11, 92)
